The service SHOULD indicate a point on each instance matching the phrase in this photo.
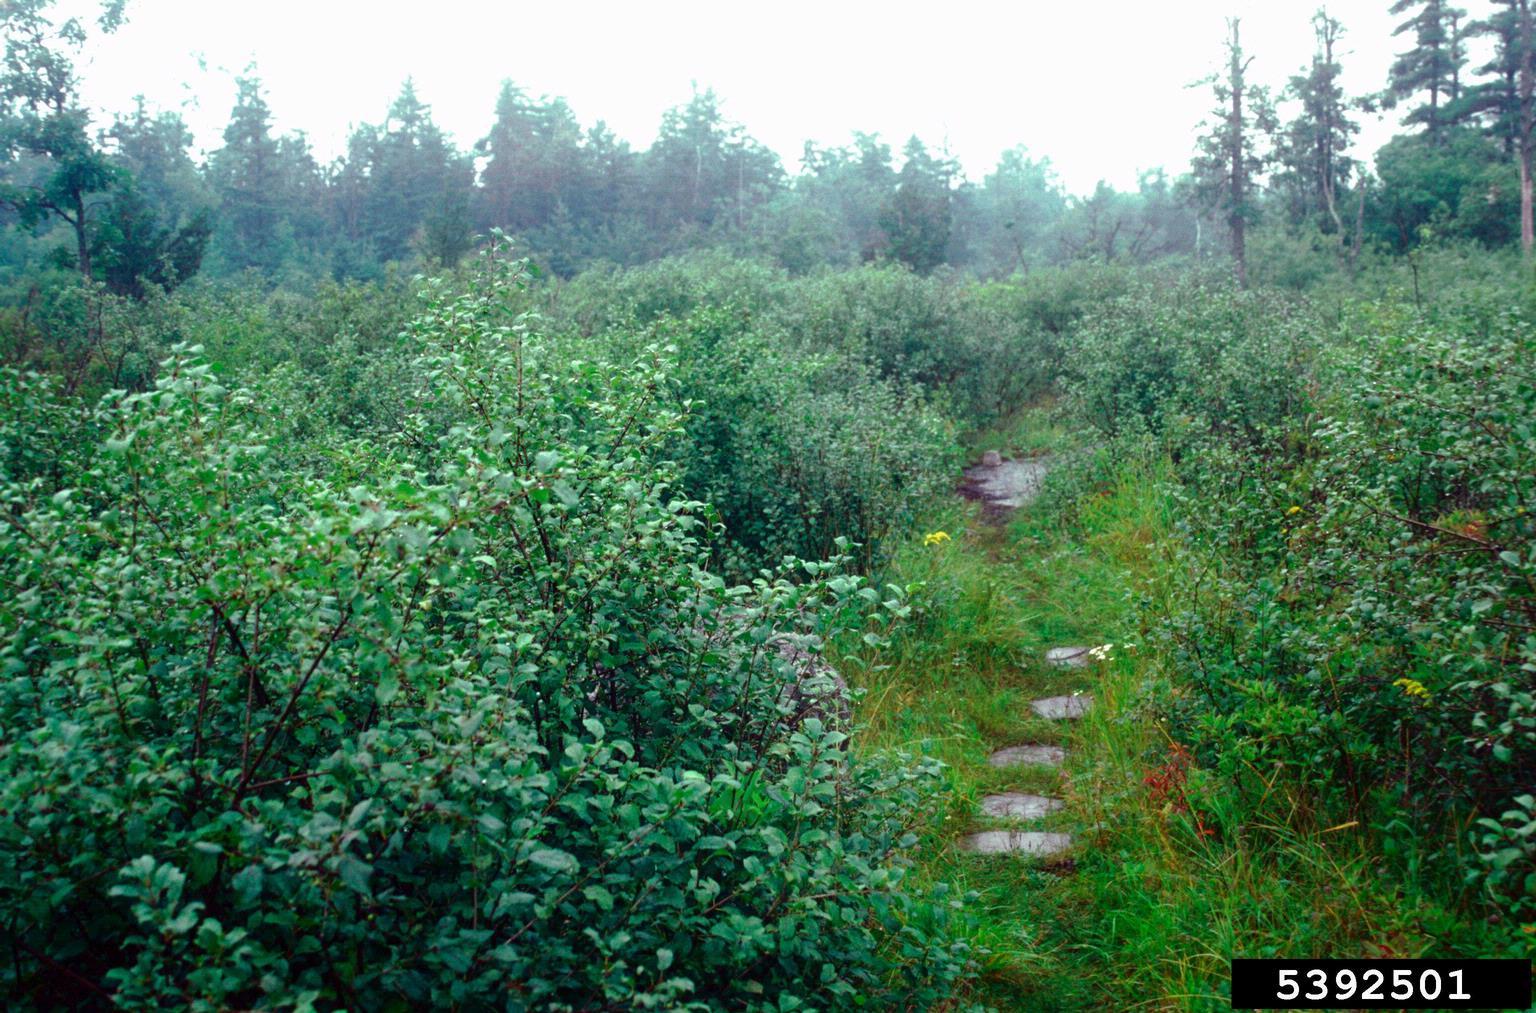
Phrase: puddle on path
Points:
(1017, 842)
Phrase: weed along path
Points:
(997, 675)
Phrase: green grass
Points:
(1148, 911)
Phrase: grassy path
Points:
(957, 685)
(1149, 905)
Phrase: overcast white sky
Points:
(1101, 89)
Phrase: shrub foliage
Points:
(1353, 617)
(453, 717)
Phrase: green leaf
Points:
(554, 860)
(600, 896)
(354, 874)
(247, 882)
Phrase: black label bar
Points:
(1381, 984)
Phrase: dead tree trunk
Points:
(1328, 33)
(82, 236)
(1237, 211)
(1527, 123)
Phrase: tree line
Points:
(1461, 169)
(140, 208)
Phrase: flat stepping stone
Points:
(1005, 485)
(1014, 806)
(1062, 708)
(1013, 756)
(1017, 842)
(1069, 657)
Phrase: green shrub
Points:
(606, 299)
(1195, 359)
(82, 334)
(1022, 329)
(1354, 592)
(474, 730)
(797, 451)
(795, 440)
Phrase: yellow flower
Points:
(1293, 511)
(936, 538)
(1414, 688)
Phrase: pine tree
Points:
(1497, 100)
(1231, 156)
(247, 175)
(703, 171)
(1314, 148)
(534, 162)
(159, 220)
(1525, 117)
(1019, 202)
(611, 174)
(1506, 101)
(157, 150)
(133, 247)
(412, 176)
(1432, 67)
(916, 220)
(851, 187)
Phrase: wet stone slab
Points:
(1062, 708)
(1015, 806)
(1013, 756)
(1069, 657)
(1006, 485)
(1017, 842)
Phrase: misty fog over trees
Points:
(140, 204)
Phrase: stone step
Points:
(1062, 708)
(1069, 657)
(1017, 842)
(1006, 485)
(1033, 753)
(1015, 806)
